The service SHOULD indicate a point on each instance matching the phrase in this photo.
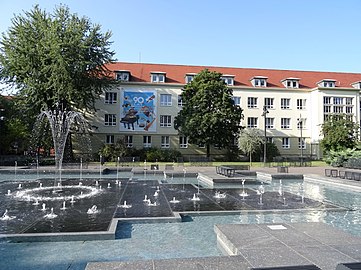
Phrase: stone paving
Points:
(305, 244)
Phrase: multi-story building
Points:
(290, 105)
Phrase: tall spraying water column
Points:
(61, 122)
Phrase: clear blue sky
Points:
(278, 34)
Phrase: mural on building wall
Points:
(138, 111)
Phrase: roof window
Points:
(259, 81)
(291, 82)
(327, 83)
(122, 75)
(157, 77)
(228, 79)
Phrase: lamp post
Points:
(2, 119)
(300, 124)
(264, 114)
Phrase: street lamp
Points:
(264, 114)
(300, 124)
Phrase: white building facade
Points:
(143, 106)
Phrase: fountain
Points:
(174, 200)
(149, 203)
(195, 197)
(63, 207)
(9, 193)
(93, 210)
(6, 217)
(36, 202)
(51, 215)
(243, 194)
(260, 192)
(145, 198)
(219, 195)
(125, 205)
(61, 122)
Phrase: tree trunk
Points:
(208, 150)
(250, 159)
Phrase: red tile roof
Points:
(140, 72)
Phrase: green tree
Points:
(339, 133)
(55, 60)
(15, 127)
(209, 115)
(250, 141)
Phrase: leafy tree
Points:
(112, 151)
(15, 127)
(271, 151)
(250, 141)
(339, 133)
(209, 115)
(55, 61)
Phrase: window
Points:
(252, 122)
(286, 143)
(110, 120)
(183, 142)
(285, 103)
(165, 142)
(228, 80)
(327, 83)
(147, 141)
(122, 76)
(165, 100)
(237, 101)
(157, 77)
(349, 109)
(129, 141)
(285, 123)
(301, 104)
(326, 109)
(109, 139)
(338, 109)
(189, 77)
(301, 143)
(337, 100)
(301, 123)
(110, 97)
(180, 101)
(326, 100)
(166, 121)
(269, 139)
(349, 101)
(259, 81)
(268, 102)
(291, 82)
(252, 102)
(270, 122)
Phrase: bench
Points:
(331, 172)
(282, 169)
(154, 167)
(226, 171)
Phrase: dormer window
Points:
(259, 81)
(291, 82)
(189, 77)
(157, 77)
(228, 79)
(356, 85)
(122, 75)
(327, 83)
